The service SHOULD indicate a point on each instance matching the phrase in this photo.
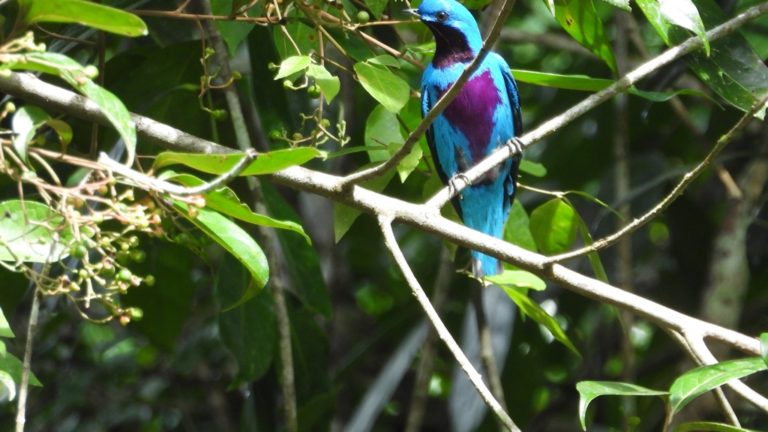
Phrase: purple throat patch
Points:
(471, 112)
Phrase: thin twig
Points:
(687, 179)
(438, 107)
(21, 411)
(151, 183)
(385, 223)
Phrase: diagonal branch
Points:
(439, 107)
(385, 223)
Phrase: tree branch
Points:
(385, 223)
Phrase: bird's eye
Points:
(442, 16)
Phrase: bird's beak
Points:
(414, 12)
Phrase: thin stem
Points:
(385, 223)
(21, 411)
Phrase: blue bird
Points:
(483, 116)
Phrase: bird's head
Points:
(452, 24)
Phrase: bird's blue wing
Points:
(517, 121)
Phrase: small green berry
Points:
(363, 17)
(297, 136)
(124, 275)
(313, 91)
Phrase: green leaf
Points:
(732, 70)
(589, 390)
(75, 75)
(265, 163)
(621, 4)
(382, 131)
(763, 347)
(532, 309)
(5, 328)
(329, 84)
(233, 32)
(292, 65)
(683, 13)
(387, 88)
(63, 130)
(696, 382)
(25, 123)
(518, 278)
(225, 201)
(82, 12)
(593, 257)
(236, 241)
(701, 426)
(384, 60)
(568, 82)
(518, 228)
(376, 7)
(344, 216)
(31, 232)
(7, 387)
(580, 19)
(554, 226)
(531, 168)
(13, 367)
(248, 331)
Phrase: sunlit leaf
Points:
(265, 163)
(82, 12)
(518, 278)
(581, 20)
(31, 232)
(554, 226)
(764, 347)
(5, 328)
(293, 65)
(234, 240)
(683, 13)
(621, 4)
(329, 84)
(696, 382)
(25, 123)
(387, 88)
(382, 131)
(532, 168)
(7, 387)
(589, 390)
(701, 426)
(532, 309)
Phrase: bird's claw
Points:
(453, 187)
(516, 146)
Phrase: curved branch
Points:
(385, 223)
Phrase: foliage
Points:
(161, 310)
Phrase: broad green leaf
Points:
(82, 12)
(248, 331)
(265, 163)
(589, 390)
(580, 19)
(384, 60)
(554, 226)
(702, 426)
(31, 232)
(534, 169)
(593, 257)
(233, 32)
(696, 382)
(621, 4)
(382, 131)
(329, 84)
(518, 228)
(13, 367)
(63, 130)
(292, 65)
(7, 387)
(225, 201)
(733, 70)
(376, 7)
(683, 13)
(532, 309)
(75, 75)
(236, 241)
(387, 88)
(763, 347)
(344, 216)
(302, 261)
(5, 328)
(25, 123)
(518, 278)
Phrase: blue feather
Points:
(483, 116)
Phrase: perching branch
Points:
(385, 223)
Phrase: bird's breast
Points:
(472, 113)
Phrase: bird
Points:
(485, 115)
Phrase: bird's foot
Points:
(453, 187)
(516, 146)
